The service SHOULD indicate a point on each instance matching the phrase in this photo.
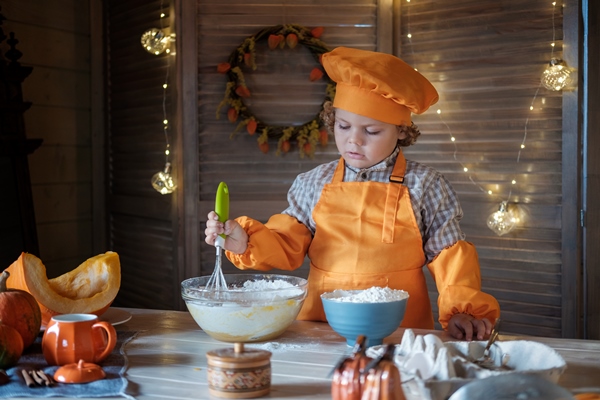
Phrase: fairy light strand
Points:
(165, 120)
(162, 181)
(164, 97)
(513, 181)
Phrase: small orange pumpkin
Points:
(89, 289)
(19, 310)
(11, 346)
(383, 380)
(348, 378)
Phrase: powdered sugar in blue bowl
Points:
(375, 313)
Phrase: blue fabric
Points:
(114, 385)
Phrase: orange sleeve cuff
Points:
(281, 243)
(458, 279)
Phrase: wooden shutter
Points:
(140, 219)
(283, 95)
(486, 59)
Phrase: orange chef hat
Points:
(378, 85)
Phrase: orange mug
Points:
(72, 337)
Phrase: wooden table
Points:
(167, 359)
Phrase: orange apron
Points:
(367, 236)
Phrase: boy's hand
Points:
(467, 327)
(237, 238)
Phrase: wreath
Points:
(307, 135)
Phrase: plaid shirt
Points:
(434, 202)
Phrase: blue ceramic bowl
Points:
(373, 320)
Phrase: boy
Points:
(372, 218)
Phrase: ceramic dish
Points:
(115, 316)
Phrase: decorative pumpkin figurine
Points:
(19, 310)
(347, 374)
(11, 346)
(383, 378)
(88, 289)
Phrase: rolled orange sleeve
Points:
(458, 279)
(281, 243)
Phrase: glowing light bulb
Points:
(556, 76)
(155, 41)
(409, 36)
(502, 221)
(163, 182)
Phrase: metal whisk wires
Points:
(217, 281)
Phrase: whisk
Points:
(217, 282)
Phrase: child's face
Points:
(363, 141)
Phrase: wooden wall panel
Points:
(141, 223)
(147, 265)
(486, 59)
(54, 38)
(259, 182)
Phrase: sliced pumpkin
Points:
(90, 288)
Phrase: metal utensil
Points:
(486, 360)
(217, 280)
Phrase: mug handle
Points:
(111, 334)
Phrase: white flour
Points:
(278, 347)
(264, 284)
(371, 295)
(266, 290)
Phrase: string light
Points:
(162, 181)
(155, 41)
(556, 77)
(158, 40)
(503, 220)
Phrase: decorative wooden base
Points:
(239, 374)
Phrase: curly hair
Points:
(412, 132)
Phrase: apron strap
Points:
(397, 175)
(338, 175)
(392, 199)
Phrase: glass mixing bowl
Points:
(256, 307)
